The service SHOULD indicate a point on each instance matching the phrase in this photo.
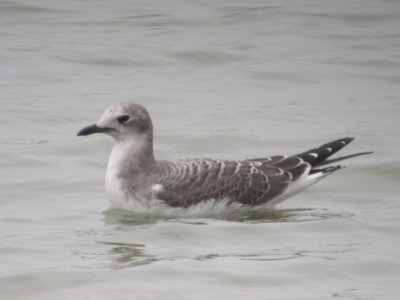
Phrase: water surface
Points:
(223, 79)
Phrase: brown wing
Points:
(250, 182)
(188, 182)
(294, 166)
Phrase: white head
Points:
(124, 122)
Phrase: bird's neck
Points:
(132, 156)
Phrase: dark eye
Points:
(123, 119)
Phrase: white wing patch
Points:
(157, 188)
(237, 169)
(221, 170)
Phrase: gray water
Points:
(224, 79)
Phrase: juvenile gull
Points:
(136, 181)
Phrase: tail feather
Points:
(319, 155)
(329, 169)
(330, 161)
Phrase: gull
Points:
(136, 181)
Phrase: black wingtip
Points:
(348, 140)
(343, 141)
(317, 156)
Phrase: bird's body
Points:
(136, 181)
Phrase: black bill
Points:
(92, 129)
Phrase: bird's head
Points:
(124, 122)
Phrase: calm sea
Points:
(224, 79)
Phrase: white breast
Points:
(118, 197)
(115, 193)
